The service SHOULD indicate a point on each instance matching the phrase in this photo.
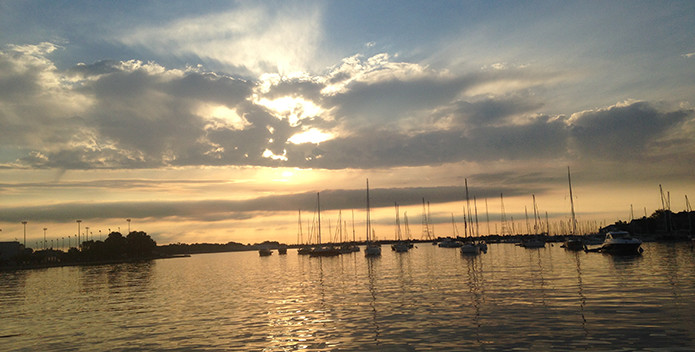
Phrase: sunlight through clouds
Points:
(220, 116)
(313, 136)
(253, 36)
(294, 109)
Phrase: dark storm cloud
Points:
(218, 210)
(623, 131)
(493, 111)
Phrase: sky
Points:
(220, 121)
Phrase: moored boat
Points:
(533, 242)
(470, 248)
(621, 243)
(450, 243)
(573, 244)
(372, 249)
(264, 252)
(321, 250)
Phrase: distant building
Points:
(9, 250)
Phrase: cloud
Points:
(255, 38)
(625, 131)
(369, 112)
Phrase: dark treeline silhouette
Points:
(663, 224)
(137, 245)
(185, 248)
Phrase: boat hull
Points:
(622, 248)
(372, 251)
(470, 248)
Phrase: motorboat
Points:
(622, 243)
(282, 249)
(264, 252)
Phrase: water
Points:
(430, 299)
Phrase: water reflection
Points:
(475, 288)
(371, 275)
(580, 292)
(430, 298)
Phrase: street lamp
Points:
(86, 233)
(128, 220)
(78, 232)
(25, 233)
(44, 238)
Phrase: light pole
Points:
(44, 238)
(25, 233)
(128, 220)
(86, 233)
(78, 232)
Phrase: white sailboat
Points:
(372, 250)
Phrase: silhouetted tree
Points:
(115, 245)
(140, 244)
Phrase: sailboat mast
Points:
(300, 236)
(353, 225)
(318, 206)
(574, 220)
(535, 215)
(487, 218)
(469, 229)
(503, 216)
(398, 224)
(477, 226)
(369, 225)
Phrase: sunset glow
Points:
(219, 123)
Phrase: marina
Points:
(428, 298)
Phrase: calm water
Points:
(428, 299)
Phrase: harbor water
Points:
(428, 299)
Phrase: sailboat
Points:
(320, 250)
(573, 242)
(400, 246)
(305, 249)
(348, 247)
(535, 241)
(372, 250)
